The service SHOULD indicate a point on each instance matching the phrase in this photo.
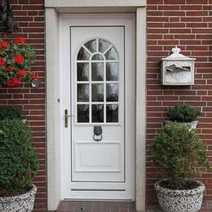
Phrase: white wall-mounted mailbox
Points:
(177, 69)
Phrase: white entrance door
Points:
(99, 114)
(98, 104)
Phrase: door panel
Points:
(98, 102)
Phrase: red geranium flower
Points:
(14, 82)
(19, 59)
(16, 57)
(22, 73)
(20, 40)
(4, 44)
(2, 61)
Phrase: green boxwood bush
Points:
(183, 113)
(10, 112)
(181, 152)
(18, 160)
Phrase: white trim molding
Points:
(53, 133)
(140, 108)
(54, 83)
(95, 3)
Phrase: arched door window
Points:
(97, 83)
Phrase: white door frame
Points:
(125, 142)
(54, 86)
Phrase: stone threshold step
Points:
(96, 206)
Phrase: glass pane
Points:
(82, 72)
(112, 112)
(103, 45)
(111, 54)
(97, 57)
(97, 92)
(83, 113)
(112, 70)
(97, 71)
(112, 92)
(97, 113)
(83, 92)
(91, 46)
(83, 54)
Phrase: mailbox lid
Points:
(176, 56)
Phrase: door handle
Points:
(66, 116)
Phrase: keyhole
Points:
(82, 209)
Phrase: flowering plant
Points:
(16, 57)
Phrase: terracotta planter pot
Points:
(19, 203)
(180, 200)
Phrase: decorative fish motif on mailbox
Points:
(176, 68)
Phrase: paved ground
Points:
(101, 206)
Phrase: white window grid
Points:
(104, 82)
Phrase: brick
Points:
(197, 2)
(155, 1)
(174, 2)
(169, 7)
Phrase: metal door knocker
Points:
(97, 133)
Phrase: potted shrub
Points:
(179, 150)
(18, 166)
(184, 114)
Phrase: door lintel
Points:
(94, 3)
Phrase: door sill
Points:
(96, 205)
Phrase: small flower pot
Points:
(180, 200)
(192, 125)
(20, 203)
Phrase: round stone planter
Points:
(180, 200)
(19, 203)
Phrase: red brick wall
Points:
(188, 24)
(29, 15)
